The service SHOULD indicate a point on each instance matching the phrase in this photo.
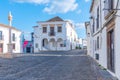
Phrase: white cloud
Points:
(32, 1)
(61, 6)
(80, 29)
(54, 6)
(87, 0)
(76, 25)
(71, 21)
(80, 25)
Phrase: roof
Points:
(6, 26)
(92, 5)
(57, 18)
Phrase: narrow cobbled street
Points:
(62, 65)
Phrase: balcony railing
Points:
(51, 33)
(1, 37)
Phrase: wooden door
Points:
(111, 55)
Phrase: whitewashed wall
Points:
(5, 41)
(64, 35)
(117, 44)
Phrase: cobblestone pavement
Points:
(70, 65)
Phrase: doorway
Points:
(110, 51)
(28, 49)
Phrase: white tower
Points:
(10, 46)
(10, 19)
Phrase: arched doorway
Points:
(60, 44)
(45, 43)
(52, 44)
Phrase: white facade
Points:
(117, 41)
(80, 43)
(89, 38)
(104, 39)
(4, 39)
(54, 38)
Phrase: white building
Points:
(54, 34)
(89, 38)
(104, 26)
(80, 43)
(10, 38)
(4, 39)
(84, 43)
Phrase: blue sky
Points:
(27, 12)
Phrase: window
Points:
(1, 47)
(36, 45)
(59, 29)
(44, 29)
(98, 42)
(108, 6)
(14, 46)
(0, 35)
(52, 31)
(97, 20)
(95, 45)
(13, 37)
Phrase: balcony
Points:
(51, 33)
(107, 14)
(109, 8)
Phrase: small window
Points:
(36, 45)
(13, 37)
(98, 42)
(97, 56)
(44, 29)
(59, 29)
(14, 46)
(97, 19)
(0, 35)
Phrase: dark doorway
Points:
(28, 49)
(110, 53)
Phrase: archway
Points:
(60, 44)
(52, 44)
(45, 43)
